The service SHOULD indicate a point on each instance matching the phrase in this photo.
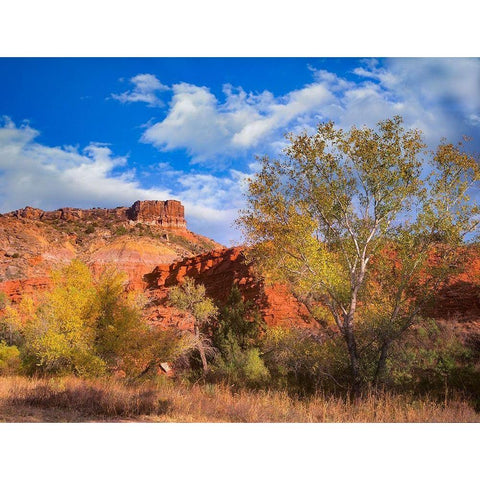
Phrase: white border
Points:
(241, 28)
(247, 28)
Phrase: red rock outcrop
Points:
(16, 289)
(70, 214)
(218, 271)
(168, 214)
(133, 240)
(458, 301)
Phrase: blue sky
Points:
(106, 132)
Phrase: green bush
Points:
(122, 230)
(10, 362)
(432, 359)
(303, 362)
(254, 368)
(243, 369)
(237, 336)
(239, 324)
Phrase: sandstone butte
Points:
(134, 239)
(151, 243)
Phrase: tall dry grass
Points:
(101, 399)
(219, 403)
(72, 399)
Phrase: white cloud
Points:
(474, 119)
(146, 89)
(53, 177)
(198, 122)
(439, 80)
(441, 96)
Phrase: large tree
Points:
(364, 225)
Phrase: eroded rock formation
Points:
(168, 214)
(219, 270)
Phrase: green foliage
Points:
(90, 229)
(430, 358)
(192, 299)
(241, 368)
(87, 327)
(16, 255)
(239, 324)
(303, 362)
(122, 336)
(121, 230)
(60, 333)
(254, 368)
(124, 340)
(10, 362)
(237, 335)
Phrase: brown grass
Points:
(71, 399)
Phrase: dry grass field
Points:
(70, 399)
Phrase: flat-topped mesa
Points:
(167, 214)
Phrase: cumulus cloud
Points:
(145, 89)
(52, 177)
(204, 126)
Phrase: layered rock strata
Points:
(168, 214)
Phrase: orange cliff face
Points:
(16, 289)
(218, 271)
(169, 214)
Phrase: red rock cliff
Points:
(219, 270)
(168, 214)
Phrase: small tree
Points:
(343, 209)
(192, 299)
(239, 324)
(237, 335)
(123, 338)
